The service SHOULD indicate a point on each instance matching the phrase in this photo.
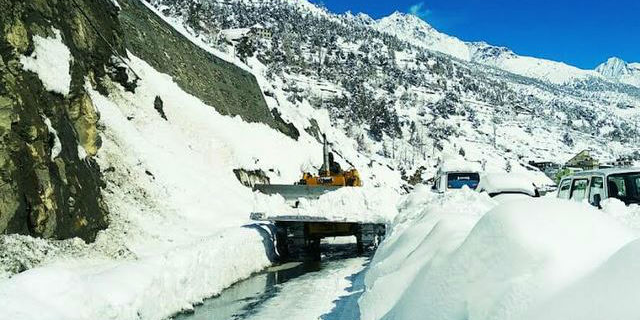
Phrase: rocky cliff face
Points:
(50, 184)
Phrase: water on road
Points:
(326, 290)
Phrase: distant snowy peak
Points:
(361, 18)
(619, 70)
(613, 68)
(546, 70)
(416, 31)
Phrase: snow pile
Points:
(610, 292)
(351, 204)
(446, 263)
(628, 215)
(506, 182)
(456, 163)
(57, 145)
(51, 60)
(428, 228)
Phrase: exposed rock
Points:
(250, 178)
(43, 195)
(220, 84)
(50, 184)
(159, 106)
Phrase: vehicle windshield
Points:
(458, 180)
(625, 186)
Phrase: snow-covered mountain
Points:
(418, 32)
(619, 70)
(505, 59)
(413, 93)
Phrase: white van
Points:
(597, 185)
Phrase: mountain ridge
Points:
(418, 31)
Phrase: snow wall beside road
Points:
(462, 256)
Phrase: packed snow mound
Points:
(506, 182)
(519, 255)
(628, 215)
(51, 60)
(427, 229)
(349, 204)
(610, 292)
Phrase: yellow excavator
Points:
(330, 177)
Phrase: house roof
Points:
(587, 151)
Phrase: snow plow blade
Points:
(294, 192)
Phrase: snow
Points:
(57, 145)
(609, 292)
(312, 295)
(82, 153)
(50, 60)
(179, 219)
(462, 256)
(547, 70)
(419, 33)
(456, 163)
(416, 31)
(617, 69)
(234, 34)
(116, 4)
(349, 204)
(506, 182)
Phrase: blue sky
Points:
(581, 33)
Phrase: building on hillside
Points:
(583, 160)
(255, 32)
(621, 162)
(260, 31)
(550, 169)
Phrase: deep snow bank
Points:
(443, 261)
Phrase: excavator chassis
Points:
(300, 236)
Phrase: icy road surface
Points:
(311, 290)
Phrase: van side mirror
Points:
(596, 200)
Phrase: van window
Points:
(625, 186)
(458, 179)
(597, 187)
(563, 190)
(579, 189)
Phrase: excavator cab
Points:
(331, 174)
(329, 178)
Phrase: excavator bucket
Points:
(295, 192)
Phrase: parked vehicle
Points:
(507, 186)
(597, 185)
(448, 180)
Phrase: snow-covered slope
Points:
(505, 59)
(620, 70)
(418, 32)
